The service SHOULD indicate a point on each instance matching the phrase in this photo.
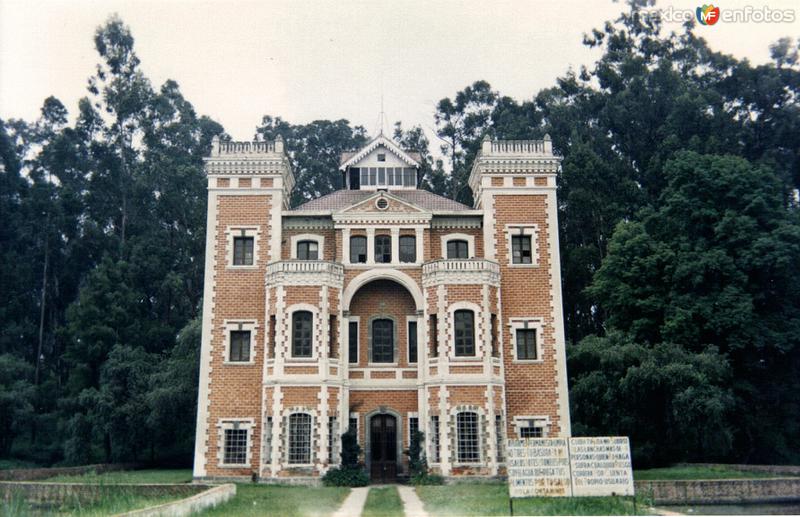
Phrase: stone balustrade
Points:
(461, 271)
(305, 272)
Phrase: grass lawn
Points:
(289, 501)
(492, 499)
(117, 502)
(383, 502)
(129, 476)
(671, 473)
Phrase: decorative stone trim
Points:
(242, 231)
(459, 237)
(531, 230)
(477, 322)
(305, 272)
(230, 325)
(536, 324)
(319, 239)
(524, 421)
(482, 434)
(314, 435)
(224, 424)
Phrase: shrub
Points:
(418, 465)
(345, 476)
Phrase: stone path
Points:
(412, 505)
(354, 503)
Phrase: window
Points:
(435, 439)
(333, 351)
(239, 346)
(358, 249)
(457, 249)
(382, 203)
(412, 341)
(267, 454)
(413, 427)
(464, 321)
(382, 341)
(308, 250)
(299, 438)
(243, 251)
(381, 157)
(352, 424)
(526, 344)
(383, 249)
(434, 336)
(495, 341)
(271, 344)
(408, 248)
(521, 249)
(498, 431)
(333, 440)
(301, 333)
(467, 429)
(531, 431)
(235, 447)
(352, 345)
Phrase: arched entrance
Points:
(383, 433)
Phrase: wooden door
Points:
(383, 449)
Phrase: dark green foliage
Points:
(351, 450)
(346, 476)
(418, 464)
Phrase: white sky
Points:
(304, 60)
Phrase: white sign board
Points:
(538, 467)
(601, 466)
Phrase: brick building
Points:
(382, 308)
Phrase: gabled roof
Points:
(342, 199)
(349, 159)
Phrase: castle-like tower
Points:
(380, 308)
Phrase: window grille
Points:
(382, 341)
(531, 431)
(526, 344)
(353, 342)
(243, 251)
(435, 438)
(333, 440)
(408, 248)
(468, 446)
(383, 249)
(302, 333)
(464, 333)
(457, 249)
(412, 341)
(413, 427)
(353, 425)
(267, 455)
(358, 249)
(299, 438)
(521, 249)
(239, 347)
(235, 447)
(498, 431)
(308, 250)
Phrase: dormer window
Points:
(385, 176)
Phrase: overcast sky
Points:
(305, 60)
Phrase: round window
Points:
(382, 203)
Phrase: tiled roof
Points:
(343, 198)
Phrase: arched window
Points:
(457, 249)
(308, 250)
(358, 249)
(383, 249)
(408, 248)
(302, 333)
(464, 323)
(299, 438)
(382, 341)
(468, 443)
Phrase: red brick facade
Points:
(278, 383)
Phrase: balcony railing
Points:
(305, 272)
(461, 271)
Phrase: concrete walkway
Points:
(354, 503)
(411, 503)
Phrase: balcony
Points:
(305, 272)
(461, 271)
